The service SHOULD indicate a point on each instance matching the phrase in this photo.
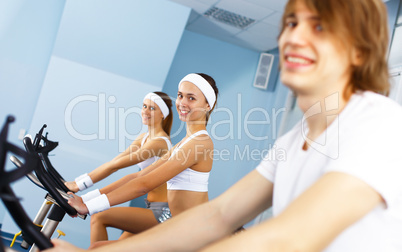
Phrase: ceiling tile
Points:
(212, 28)
(278, 5)
(244, 8)
(197, 6)
(263, 29)
(249, 36)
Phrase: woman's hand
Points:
(78, 204)
(72, 186)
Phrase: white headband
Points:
(203, 85)
(160, 102)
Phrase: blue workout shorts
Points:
(160, 210)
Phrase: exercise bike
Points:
(8, 197)
(47, 178)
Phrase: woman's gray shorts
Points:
(160, 209)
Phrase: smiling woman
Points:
(157, 115)
(198, 82)
(183, 171)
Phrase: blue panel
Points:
(132, 38)
(27, 33)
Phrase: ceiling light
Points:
(228, 17)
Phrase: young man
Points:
(338, 188)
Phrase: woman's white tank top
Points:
(189, 179)
(150, 160)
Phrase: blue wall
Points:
(27, 34)
(245, 121)
(91, 88)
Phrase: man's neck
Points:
(320, 111)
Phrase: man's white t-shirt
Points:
(365, 141)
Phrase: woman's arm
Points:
(155, 147)
(133, 155)
(186, 157)
(134, 146)
(189, 155)
(127, 178)
(118, 183)
(155, 164)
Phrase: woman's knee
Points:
(99, 218)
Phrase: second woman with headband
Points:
(185, 167)
(156, 113)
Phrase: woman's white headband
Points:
(203, 85)
(160, 102)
